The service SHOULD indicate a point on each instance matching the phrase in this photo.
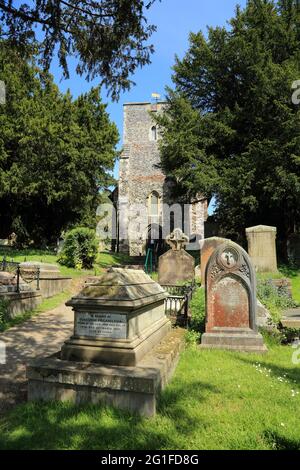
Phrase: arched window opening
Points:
(172, 221)
(154, 200)
(153, 133)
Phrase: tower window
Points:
(153, 134)
(153, 204)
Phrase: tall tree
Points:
(232, 130)
(56, 153)
(109, 38)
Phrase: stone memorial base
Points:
(131, 388)
(124, 352)
(234, 339)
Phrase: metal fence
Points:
(21, 274)
(177, 304)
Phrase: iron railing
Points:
(27, 275)
(177, 304)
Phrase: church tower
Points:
(143, 189)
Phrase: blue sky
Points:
(174, 19)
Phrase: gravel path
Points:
(40, 336)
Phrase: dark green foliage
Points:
(108, 38)
(290, 334)
(272, 336)
(56, 153)
(197, 322)
(80, 248)
(232, 130)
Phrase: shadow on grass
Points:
(289, 271)
(278, 442)
(66, 426)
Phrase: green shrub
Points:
(80, 248)
(192, 337)
(272, 336)
(269, 296)
(197, 322)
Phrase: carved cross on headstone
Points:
(177, 240)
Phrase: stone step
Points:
(291, 323)
(232, 331)
(230, 347)
(233, 341)
(134, 388)
(291, 318)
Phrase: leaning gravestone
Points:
(231, 301)
(176, 265)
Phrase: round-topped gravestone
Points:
(119, 317)
(230, 284)
(207, 247)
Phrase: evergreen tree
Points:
(56, 153)
(108, 38)
(232, 130)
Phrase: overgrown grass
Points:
(276, 303)
(216, 400)
(289, 272)
(47, 304)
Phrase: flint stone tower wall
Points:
(139, 176)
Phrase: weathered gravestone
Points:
(176, 265)
(207, 247)
(231, 301)
(122, 351)
(262, 248)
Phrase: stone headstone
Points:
(8, 282)
(262, 248)
(177, 240)
(7, 278)
(207, 247)
(231, 301)
(176, 265)
(263, 316)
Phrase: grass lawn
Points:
(104, 260)
(216, 400)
